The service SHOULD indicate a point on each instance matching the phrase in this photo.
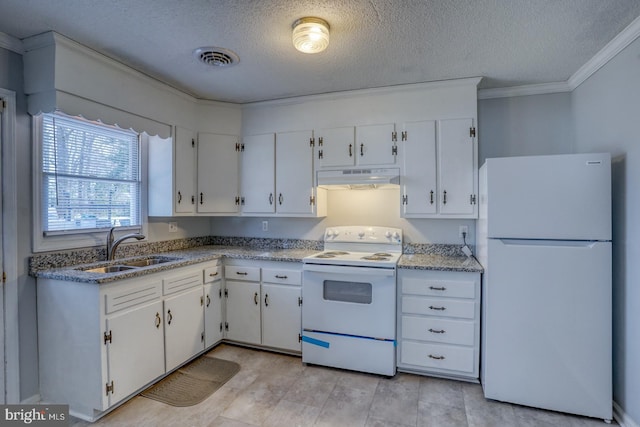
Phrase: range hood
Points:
(358, 178)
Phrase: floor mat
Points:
(193, 383)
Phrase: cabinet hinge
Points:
(3, 105)
(242, 147)
(320, 154)
(312, 142)
(226, 326)
(4, 277)
(472, 199)
(109, 388)
(237, 146)
(404, 135)
(107, 337)
(220, 293)
(226, 293)
(242, 201)
(237, 200)
(299, 337)
(202, 336)
(201, 300)
(472, 132)
(193, 200)
(220, 326)
(299, 301)
(405, 199)
(394, 150)
(312, 200)
(193, 142)
(394, 136)
(320, 141)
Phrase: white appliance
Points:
(544, 240)
(349, 300)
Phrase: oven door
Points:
(358, 301)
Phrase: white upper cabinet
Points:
(218, 174)
(439, 169)
(172, 174)
(457, 168)
(370, 145)
(258, 171)
(419, 191)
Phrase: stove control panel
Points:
(363, 234)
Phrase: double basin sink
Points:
(130, 264)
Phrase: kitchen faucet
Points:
(113, 245)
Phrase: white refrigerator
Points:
(544, 240)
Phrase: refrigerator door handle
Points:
(556, 243)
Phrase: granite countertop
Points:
(182, 257)
(194, 255)
(439, 262)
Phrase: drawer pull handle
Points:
(255, 298)
(431, 356)
(169, 317)
(241, 273)
(436, 288)
(158, 320)
(213, 274)
(280, 277)
(437, 308)
(437, 331)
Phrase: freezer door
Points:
(547, 325)
(565, 197)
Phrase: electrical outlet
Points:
(463, 231)
(265, 225)
(173, 227)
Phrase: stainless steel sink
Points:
(148, 261)
(110, 269)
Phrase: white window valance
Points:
(55, 100)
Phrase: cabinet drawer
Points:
(464, 309)
(211, 274)
(438, 330)
(235, 272)
(438, 356)
(285, 277)
(441, 288)
(132, 295)
(171, 285)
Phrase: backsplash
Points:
(50, 260)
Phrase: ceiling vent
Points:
(216, 56)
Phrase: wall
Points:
(525, 126)
(11, 79)
(606, 115)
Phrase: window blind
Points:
(90, 175)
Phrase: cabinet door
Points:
(258, 174)
(294, 173)
(335, 147)
(456, 167)
(135, 354)
(243, 311)
(281, 316)
(375, 145)
(419, 192)
(183, 326)
(218, 174)
(185, 171)
(212, 313)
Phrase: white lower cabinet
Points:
(439, 323)
(100, 344)
(213, 313)
(263, 304)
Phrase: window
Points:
(90, 176)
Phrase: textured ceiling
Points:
(373, 42)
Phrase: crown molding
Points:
(606, 54)
(11, 43)
(525, 90)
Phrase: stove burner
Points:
(384, 254)
(375, 257)
(331, 254)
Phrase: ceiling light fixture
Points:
(310, 35)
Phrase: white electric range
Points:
(349, 300)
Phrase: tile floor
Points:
(279, 391)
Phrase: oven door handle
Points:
(341, 269)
